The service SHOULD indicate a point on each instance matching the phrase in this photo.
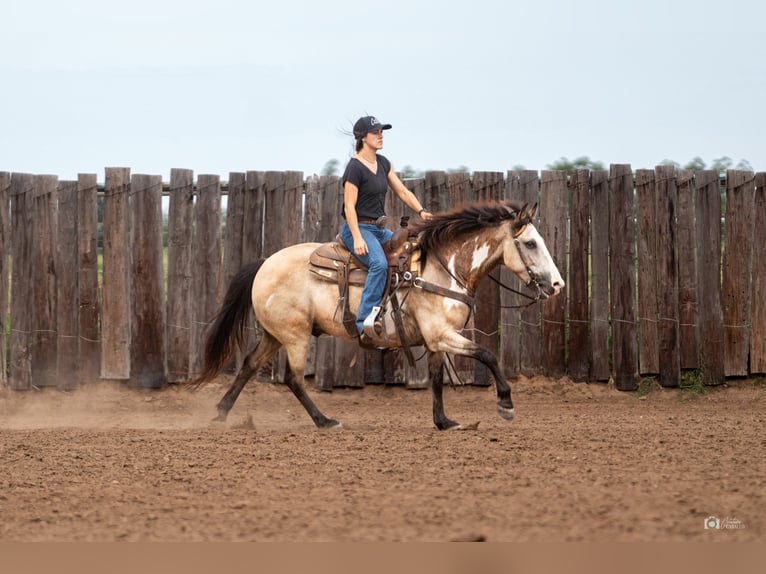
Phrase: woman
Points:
(365, 182)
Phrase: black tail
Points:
(228, 329)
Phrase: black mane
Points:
(450, 225)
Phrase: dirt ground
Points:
(581, 462)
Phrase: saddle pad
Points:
(356, 277)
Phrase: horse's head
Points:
(525, 253)
(500, 230)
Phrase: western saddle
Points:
(334, 262)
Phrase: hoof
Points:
(331, 424)
(459, 427)
(505, 412)
(447, 425)
(220, 419)
(472, 426)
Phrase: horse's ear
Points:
(523, 212)
(532, 212)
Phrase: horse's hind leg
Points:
(296, 364)
(319, 419)
(264, 350)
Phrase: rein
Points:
(532, 300)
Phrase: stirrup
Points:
(372, 325)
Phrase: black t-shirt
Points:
(371, 201)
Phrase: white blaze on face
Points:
(539, 259)
(480, 255)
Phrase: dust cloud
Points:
(109, 405)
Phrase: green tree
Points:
(409, 172)
(583, 162)
(696, 164)
(331, 167)
(721, 164)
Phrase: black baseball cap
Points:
(367, 124)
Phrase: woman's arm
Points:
(406, 195)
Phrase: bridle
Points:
(533, 280)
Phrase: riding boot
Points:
(366, 342)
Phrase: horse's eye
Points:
(530, 244)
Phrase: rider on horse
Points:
(365, 183)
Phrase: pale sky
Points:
(235, 85)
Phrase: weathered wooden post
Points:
(578, 360)
(208, 258)
(68, 363)
(180, 277)
(115, 318)
(147, 326)
(88, 288)
(707, 209)
(622, 277)
(5, 244)
(553, 228)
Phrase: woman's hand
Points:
(426, 215)
(360, 246)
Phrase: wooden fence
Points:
(653, 289)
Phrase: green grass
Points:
(691, 386)
(645, 386)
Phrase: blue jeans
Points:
(376, 260)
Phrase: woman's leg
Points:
(377, 264)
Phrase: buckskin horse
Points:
(430, 306)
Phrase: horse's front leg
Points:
(436, 375)
(459, 345)
(505, 404)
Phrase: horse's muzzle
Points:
(547, 289)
